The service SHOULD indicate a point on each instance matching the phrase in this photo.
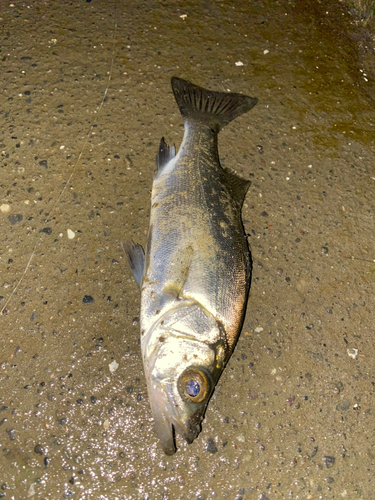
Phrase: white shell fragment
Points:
(71, 234)
(352, 353)
(113, 366)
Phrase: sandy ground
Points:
(293, 414)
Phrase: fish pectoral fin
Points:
(178, 274)
(165, 154)
(237, 186)
(136, 258)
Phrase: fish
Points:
(195, 272)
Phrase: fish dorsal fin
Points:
(215, 109)
(237, 186)
(165, 154)
(136, 259)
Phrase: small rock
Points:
(38, 449)
(4, 208)
(329, 461)
(15, 219)
(343, 407)
(211, 446)
(352, 353)
(113, 366)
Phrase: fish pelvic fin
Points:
(216, 109)
(136, 259)
(165, 154)
(237, 186)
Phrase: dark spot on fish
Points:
(161, 339)
(162, 322)
(143, 332)
(156, 204)
(158, 311)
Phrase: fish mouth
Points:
(164, 429)
(168, 421)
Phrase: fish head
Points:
(182, 368)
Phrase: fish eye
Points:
(193, 385)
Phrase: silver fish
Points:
(195, 273)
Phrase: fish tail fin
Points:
(216, 109)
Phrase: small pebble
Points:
(38, 449)
(352, 353)
(87, 299)
(15, 219)
(329, 461)
(4, 208)
(113, 366)
(71, 234)
(211, 446)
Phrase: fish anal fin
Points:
(237, 186)
(165, 154)
(136, 259)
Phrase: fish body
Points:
(195, 273)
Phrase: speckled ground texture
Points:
(293, 414)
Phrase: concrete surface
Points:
(293, 413)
